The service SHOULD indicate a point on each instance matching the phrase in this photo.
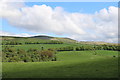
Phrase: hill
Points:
(50, 38)
(40, 38)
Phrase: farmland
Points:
(81, 64)
(73, 59)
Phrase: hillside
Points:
(39, 38)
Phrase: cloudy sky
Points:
(82, 21)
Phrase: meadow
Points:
(75, 63)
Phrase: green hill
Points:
(39, 38)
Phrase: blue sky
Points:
(83, 7)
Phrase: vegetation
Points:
(69, 64)
(31, 55)
(98, 47)
(40, 57)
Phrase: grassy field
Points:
(38, 46)
(69, 64)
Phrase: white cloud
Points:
(3, 33)
(102, 25)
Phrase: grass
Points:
(38, 46)
(46, 46)
(70, 64)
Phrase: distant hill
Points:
(41, 37)
(63, 39)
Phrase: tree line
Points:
(90, 47)
(20, 43)
(11, 43)
(47, 42)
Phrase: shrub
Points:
(47, 54)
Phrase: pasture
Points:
(69, 64)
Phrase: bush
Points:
(68, 48)
(47, 54)
(31, 55)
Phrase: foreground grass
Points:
(70, 64)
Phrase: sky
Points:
(82, 21)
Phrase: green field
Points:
(26, 58)
(46, 46)
(38, 46)
(69, 64)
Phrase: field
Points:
(27, 58)
(70, 64)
